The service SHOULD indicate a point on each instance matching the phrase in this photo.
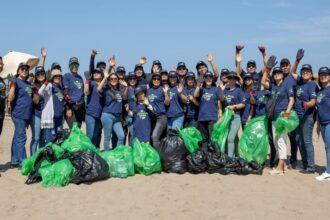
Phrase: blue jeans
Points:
(296, 142)
(93, 129)
(37, 139)
(175, 122)
(50, 133)
(18, 153)
(325, 130)
(129, 121)
(307, 124)
(111, 122)
(235, 124)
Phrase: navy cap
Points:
(181, 64)
(224, 71)
(97, 70)
(138, 90)
(324, 70)
(232, 74)
(251, 62)
(101, 63)
(39, 70)
(277, 70)
(284, 61)
(200, 63)
(131, 75)
(138, 66)
(55, 66)
(156, 62)
(23, 64)
(190, 74)
(172, 74)
(306, 67)
(73, 60)
(247, 75)
(163, 72)
(154, 75)
(208, 74)
(120, 69)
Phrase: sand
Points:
(166, 196)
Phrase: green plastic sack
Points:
(191, 136)
(57, 174)
(77, 141)
(146, 159)
(253, 145)
(28, 163)
(221, 129)
(120, 161)
(286, 125)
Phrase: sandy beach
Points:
(166, 196)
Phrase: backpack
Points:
(270, 106)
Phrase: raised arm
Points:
(87, 82)
(238, 59)
(182, 97)
(213, 65)
(167, 97)
(92, 61)
(299, 56)
(43, 57)
(101, 85)
(262, 50)
(112, 64)
(271, 62)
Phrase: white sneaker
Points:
(324, 176)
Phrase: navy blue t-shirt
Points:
(175, 109)
(75, 87)
(192, 109)
(246, 111)
(256, 77)
(261, 98)
(22, 104)
(156, 98)
(142, 123)
(94, 101)
(208, 105)
(304, 93)
(113, 101)
(323, 106)
(234, 97)
(58, 101)
(285, 91)
(37, 108)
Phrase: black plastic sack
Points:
(172, 152)
(197, 162)
(89, 167)
(61, 136)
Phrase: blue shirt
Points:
(37, 108)
(284, 91)
(175, 109)
(58, 101)
(323, 106)
(256, 78)
(94, 101)
(246, 111)
(208, 106)
(156, 98)
(304, 93)
(261, 98)
(142, 123)
(22, 104)
(234, 97)
(113, 100)
(131, 98)
(192, 109)
(75, 87)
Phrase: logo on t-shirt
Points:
(28, 90)
(118, 97)
(78, 84)
(299, 91)
(171, 94)
(207, 96)
(142, 114)
(152, 97)
(59, 95)
(320, 96)
(229, 98)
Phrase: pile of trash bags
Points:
(72, 158)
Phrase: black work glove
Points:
(271, 62)
(300, 54)
(87, 75)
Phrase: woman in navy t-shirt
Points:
(191, 114)
(323, 116)
(20, 105)
(209, 104)
(113, 108)
(247, 113)
(233, 98)
(94, 106)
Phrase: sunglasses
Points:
(158, 79)
(251, 66)
(132, 78)
(113, 79)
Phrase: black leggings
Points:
(205, 127)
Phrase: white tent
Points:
(12, 59)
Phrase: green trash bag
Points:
(28, 163)
(120, 161)
(191, 136)
(286, 125)
(146, 159)
(253, 145)
(57, 174)
(221, 129)
(77, 141)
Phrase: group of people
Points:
(145, 105)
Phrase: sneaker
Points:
(308, 171)
(323, 176)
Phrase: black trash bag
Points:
(197, 162)
(61, 136)
(89, 167)
(173, 153)
(46, 154)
